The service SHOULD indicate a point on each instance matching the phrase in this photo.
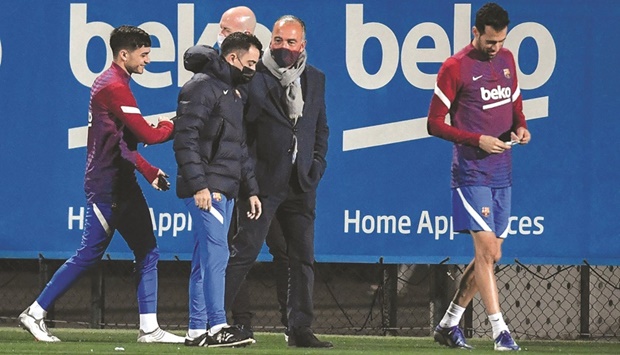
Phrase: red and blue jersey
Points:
(482, 96)
(115, 127)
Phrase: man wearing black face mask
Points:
(238, 19)
(287, 137)
(213, 163)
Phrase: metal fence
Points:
(538, 302)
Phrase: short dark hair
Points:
(491, 14)
(129, 38)
(239, 42)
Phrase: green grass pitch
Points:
(14, 340)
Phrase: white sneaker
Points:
(36, 327)
(159, 336)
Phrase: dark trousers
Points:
(241, 307)
(295, 211)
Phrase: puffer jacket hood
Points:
(206, 59)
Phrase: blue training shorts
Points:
(481, 208)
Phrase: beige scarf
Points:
(289, 79)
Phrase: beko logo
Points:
(357, 33)
(495, 94)
(410, 57)
(169, 50)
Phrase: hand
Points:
(159, 120)
(203, 199)
(522, 135)
(162, 118)
(492, 145)
(160, 183)
(255, 208)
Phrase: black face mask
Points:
(284, 57)
(239, 76)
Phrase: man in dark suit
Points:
(287, 137)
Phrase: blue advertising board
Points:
(386, 192)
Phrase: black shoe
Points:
(247, 329)
(230, 336)
(305, 338)
(198, 341)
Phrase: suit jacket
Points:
(270, 132)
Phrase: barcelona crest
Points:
(507, 73)
(486, 211)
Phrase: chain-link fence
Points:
(538, 302)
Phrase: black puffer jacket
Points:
(209, 142)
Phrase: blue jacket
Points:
(209, 143)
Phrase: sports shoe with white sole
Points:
(36, 327)
(159, 336)
(230, 336)
(200, 340)
(504, 342)
(451, 337)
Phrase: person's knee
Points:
(84, 262)
(88, 257)
(237, 260)
(279, 255)
(497, 256)
(243, 254)
(149, 260)
(488, 256)
(493, 256)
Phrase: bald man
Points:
(236, 19)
